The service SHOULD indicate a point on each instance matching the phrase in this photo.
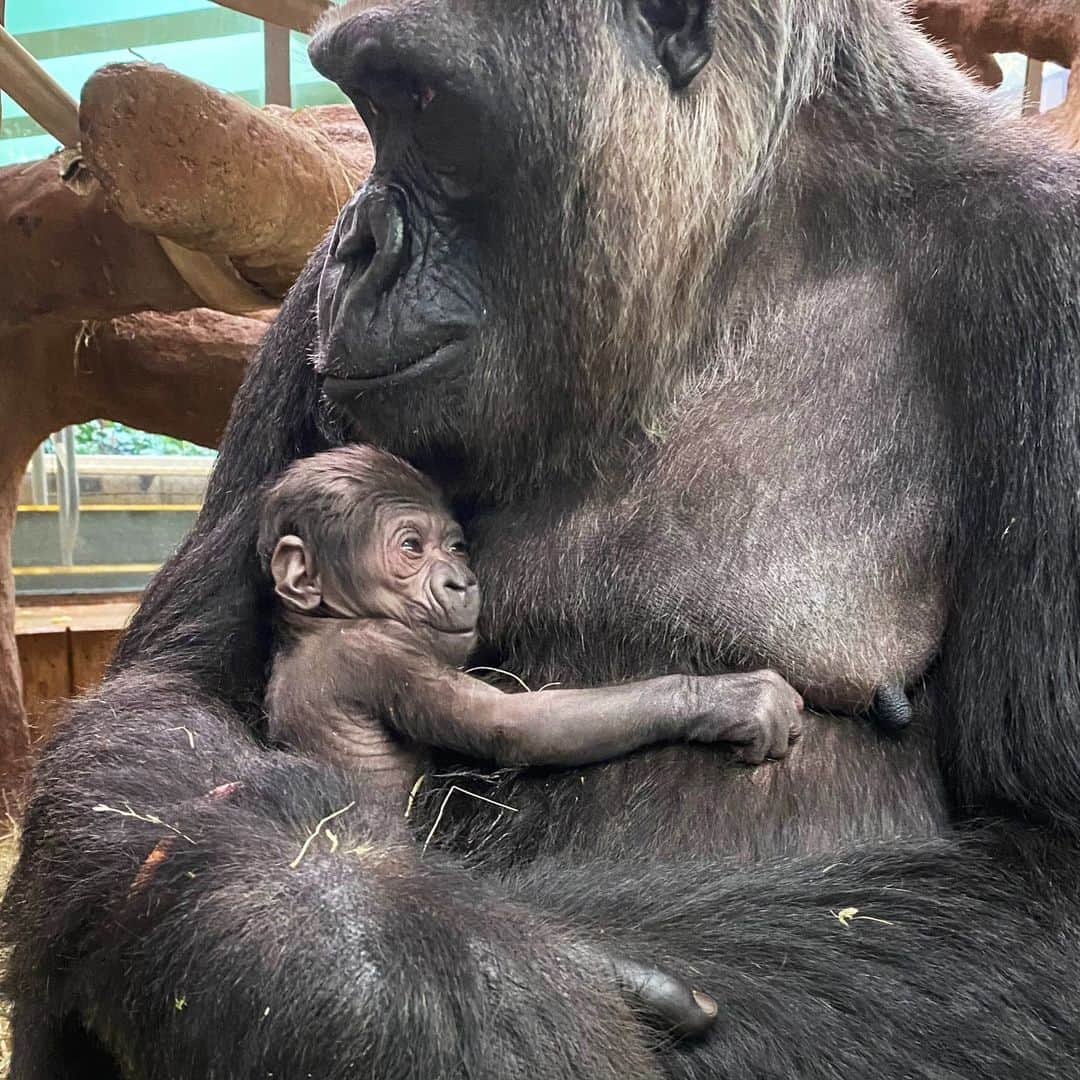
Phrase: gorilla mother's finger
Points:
(666, 1001)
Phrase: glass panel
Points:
(72, 38)
(136, 495)
(132, 512)
(1014, 67)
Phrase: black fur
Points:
(887, 415)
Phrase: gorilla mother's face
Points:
(452, 294)
(401, 299)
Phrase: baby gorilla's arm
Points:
(757, 712)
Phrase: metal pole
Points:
(39, 482)
(67, 489)
(1033, 81)
(278, 79)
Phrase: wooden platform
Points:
(64, 649)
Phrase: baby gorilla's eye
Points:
(459, 547)
(413, 545)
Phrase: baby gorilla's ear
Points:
(295, 578)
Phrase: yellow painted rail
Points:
(90, 568)
(131, 508)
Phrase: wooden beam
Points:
(212, 278)
(295, 14)
(1033, 82)
(66, 256)
(1041, 29)
(278, 80)
(43, 98)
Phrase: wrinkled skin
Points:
(745, 336)
(376, 614)
(376, 544)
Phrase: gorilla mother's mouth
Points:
(343, 388)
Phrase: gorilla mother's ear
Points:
(295, 578)
(677, 33)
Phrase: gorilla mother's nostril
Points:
(370, 239)
(355, 241)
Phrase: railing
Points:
(102, 524)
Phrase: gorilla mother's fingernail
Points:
(707, 1004)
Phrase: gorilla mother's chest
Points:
(762, 532)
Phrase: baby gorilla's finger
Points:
(666, 1001)
(796, 729)
(753, 753)
(780, 744)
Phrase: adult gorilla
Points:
(746, 336)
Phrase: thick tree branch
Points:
(1041, 29)
(981, 66)
(171, 374)
(211, 172)
(67, 257)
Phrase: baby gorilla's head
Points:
(358, 533)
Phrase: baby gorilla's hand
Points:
(758, 712)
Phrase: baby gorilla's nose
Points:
(455, 590)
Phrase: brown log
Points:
(68, 257)
(211, 172)
(1041, 29)
(1047, 30)
(1064, 121)
(294, 14)
(173, 374)
(980, 66)
(14, 732)
(212, 278)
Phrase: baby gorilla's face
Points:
(415, 569)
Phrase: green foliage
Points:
(109, 437)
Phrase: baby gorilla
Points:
(377, 615)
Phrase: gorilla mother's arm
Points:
(401, 949)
